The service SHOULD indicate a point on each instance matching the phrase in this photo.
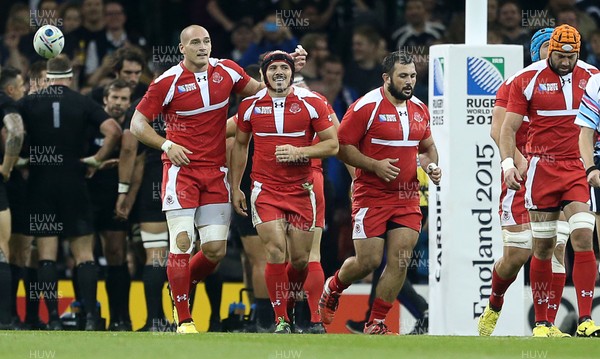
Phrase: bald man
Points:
(193, 98)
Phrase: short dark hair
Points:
(36, 69)
(253, 71)
(332, 59)
(60, 63)
(369, 33)
(117, 84)
(127, 54)
(390, 60)
(8, 75)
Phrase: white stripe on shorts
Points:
(530, 174)
(170, 200)
(359, 227)
(253, 197)
(507, 219)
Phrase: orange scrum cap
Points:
(565, 38)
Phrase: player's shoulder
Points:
(259, 95)
(592, 88)
(308, 95)
(230, 66)
(531, 70)
(5, 100)
(586, 68)
(418, 103)
(371, 99)
(174, 72)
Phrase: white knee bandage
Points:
(213, 232)
(582, 220)
(556, 266)
(562, 232)
(543, 230)
(517, 239)
(180, 220)
(155, 240)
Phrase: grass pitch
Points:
(81, 345)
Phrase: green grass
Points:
(80, 345)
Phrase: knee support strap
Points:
(582, 220)
(180, 220)
(155, 240)
(543, 230)
(562, 233)
(517, 239)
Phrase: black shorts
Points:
(104, 199)
(3, 195)
(59, 205)
(148, 204)
(243, 225)
(17, 198)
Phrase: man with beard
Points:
(549, 93)
(128, 66)
(104, 187)
(193, 97)
(283, 120)
(382, 134)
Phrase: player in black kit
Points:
(103, 188)
(57, 121)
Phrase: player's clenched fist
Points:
(385, 169)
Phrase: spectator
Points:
(492, 19)
(418, 31)
(364, 71)
(594, 45)
(116, 35)
(16, 28)
(46, 14)
(586, 22)
(270, 36)
(317, 47)
(509, 20)
(242, 37)
(70, 14)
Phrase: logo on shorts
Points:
(587, 294)
(295, 108)
(217, 78)
(357, 228)
(169, 200)
(505, 215)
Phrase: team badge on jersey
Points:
(186, 87)
(217, 78)
(417, 117)
(295, 108)
(388, 118)
(582, 84)
(263, 110)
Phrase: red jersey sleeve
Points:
(238, 83)
(243, 125)
(151, 104)
(502, 95)
(353, 125)
(517, 101)
(323, 121)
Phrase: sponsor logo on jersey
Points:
(548, 87)
(484, 75)
(217, 78)
(186, 87)
(295, 108)
(263, 110)
(388, 118)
